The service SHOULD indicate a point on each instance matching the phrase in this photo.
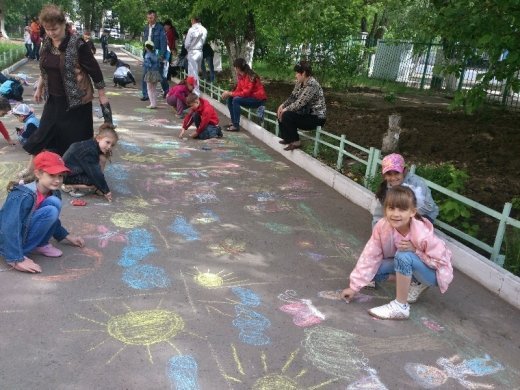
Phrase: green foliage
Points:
(512, 250)
(389, 97)
(516, 202)
(450, 210)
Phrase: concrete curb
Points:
(485, 272)
(15, 66)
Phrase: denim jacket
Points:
(158, 38)
(83, 158)
(15, 219)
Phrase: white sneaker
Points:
(416, 289)
(390, 311)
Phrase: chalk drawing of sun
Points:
(219, 279)
(129, 220)
(141, 328)
(279, 379)
(228, 247)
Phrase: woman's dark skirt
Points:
(60, 128)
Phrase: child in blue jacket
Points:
(30, 123)
(31, 216)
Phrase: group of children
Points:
(403, 246)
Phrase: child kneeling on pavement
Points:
(203, 116)
(31, 216)
(403, 248)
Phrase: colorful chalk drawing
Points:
(140, 245)
(74, 267)
(117, 176)
(204, 217)
(165, 145)
(183, 373)
(147, 158)
(135, 202)
(269, 379)
(369, 382)
(268, 207)
(265, 196)
(219, 279)
(278, 228)
(185, 229)
(146, 277)
(429, 377)
(304, 313)
(250, 323)
(139, 328)
(228, 247)
(8, 172)
(201, 197)
(130, 147)
(257, 153)
(295, 185)
(432, 325)
(106, 236)
(129, 220)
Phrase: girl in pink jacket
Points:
(404, 249)
(176, 96)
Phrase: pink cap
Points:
(393, 162)
(191, 80)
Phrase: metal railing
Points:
(11, 56)
(371, 159)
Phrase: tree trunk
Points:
(2, 20)
(242, 46)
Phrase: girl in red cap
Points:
(177, 94)
(30, 216)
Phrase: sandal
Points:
(65, 188)
(232, 129)
(293, 146)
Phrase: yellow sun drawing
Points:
(216, 280)
(144, 328)
(137, 202)
(129, 220)
(271, 379)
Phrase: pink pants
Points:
(152, 93)
(174, 101)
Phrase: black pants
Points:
(292, 121)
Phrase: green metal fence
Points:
(371, 159)
(11, 56)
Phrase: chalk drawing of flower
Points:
(105, 236)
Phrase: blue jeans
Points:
(43, 223)
(234, 104)
(211, 131)
(407, 264)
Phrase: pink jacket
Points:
(180, 91)
(431, 249)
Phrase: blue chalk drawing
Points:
(183, 373)
(117, 175)
(139, 246)
(145, 277)
(209, 214)
(247, 297)
(185, 229)
(130, 147)
(251, 325)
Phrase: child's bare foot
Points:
(27, 265)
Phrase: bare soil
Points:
(486, 145)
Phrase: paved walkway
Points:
(211, 270)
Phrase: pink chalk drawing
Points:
(429, 377)
(303, 311)
(105, 236)
(336, 296)
(432, 325)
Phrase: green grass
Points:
(17, 49)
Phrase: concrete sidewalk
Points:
(212, 270)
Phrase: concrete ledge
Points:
(485, 272)
(15, 66)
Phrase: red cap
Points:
(50, 162)
(191, 80)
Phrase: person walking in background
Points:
(36, 38)
(27, 42)
(207, 59)
(193, 43)
(403, 248)
(305, 109)
(249, 92)
(104, 45)
(154, 32)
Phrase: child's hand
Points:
(347, 294)
(10, 141)
(406, 246)
(194, 135)
(108, 196)
(27, 265)
(182, 133)
(75, 240)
